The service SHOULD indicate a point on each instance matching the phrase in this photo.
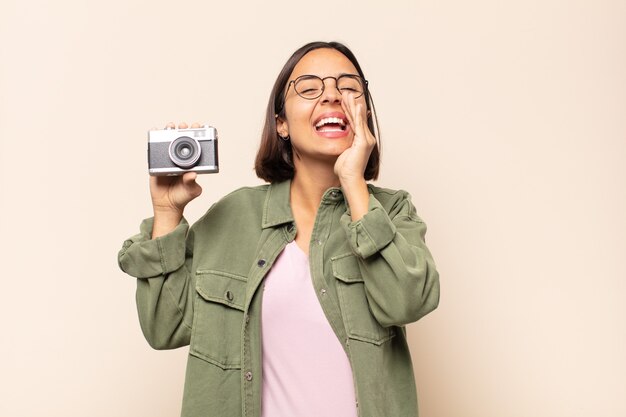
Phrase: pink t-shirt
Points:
(306, 372)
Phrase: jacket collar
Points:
(277, 209)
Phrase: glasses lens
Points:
(309, 86)
(351, 84)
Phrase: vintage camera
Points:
(176, 151)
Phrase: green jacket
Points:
(199, 286)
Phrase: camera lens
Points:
(185, 151)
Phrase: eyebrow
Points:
(318, 76)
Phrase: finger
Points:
(170, 125)
(362, 125)
(346, 111)
(365, 123)
(356, 116)
(189, 178)
(345, 104)
(189, 181)
(195, 125)
(355, 111)
(182, 125)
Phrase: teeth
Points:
(328, 120)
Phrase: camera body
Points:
(176, 151)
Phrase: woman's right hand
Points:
(170, 195)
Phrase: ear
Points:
(282, 128)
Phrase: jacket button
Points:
(229, 295)
(323, 291)
(261, 262)
(248, 376)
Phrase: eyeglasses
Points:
(311, 87)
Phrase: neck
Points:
(309, 184)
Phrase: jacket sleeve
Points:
(399, 274)
(162, 268)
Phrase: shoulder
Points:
(388, 195)
(395, 202)
(244, 195)
(386, 191)
(244, 204)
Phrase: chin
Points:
(336, 147)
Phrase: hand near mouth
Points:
(351, 164)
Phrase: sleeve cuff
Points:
(372, 232)
(143, 257)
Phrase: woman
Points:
(292, 295)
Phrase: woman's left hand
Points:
(351, 164)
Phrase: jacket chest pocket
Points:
(218, 318)
(359, 321)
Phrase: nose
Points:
(331, 93)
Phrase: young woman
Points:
(293, 295)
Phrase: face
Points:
(318, 128)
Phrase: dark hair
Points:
(274, 160)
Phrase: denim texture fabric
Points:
(201, 286)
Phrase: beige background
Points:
(505, 121)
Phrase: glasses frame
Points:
(364, 82)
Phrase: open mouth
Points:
(331, 124)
